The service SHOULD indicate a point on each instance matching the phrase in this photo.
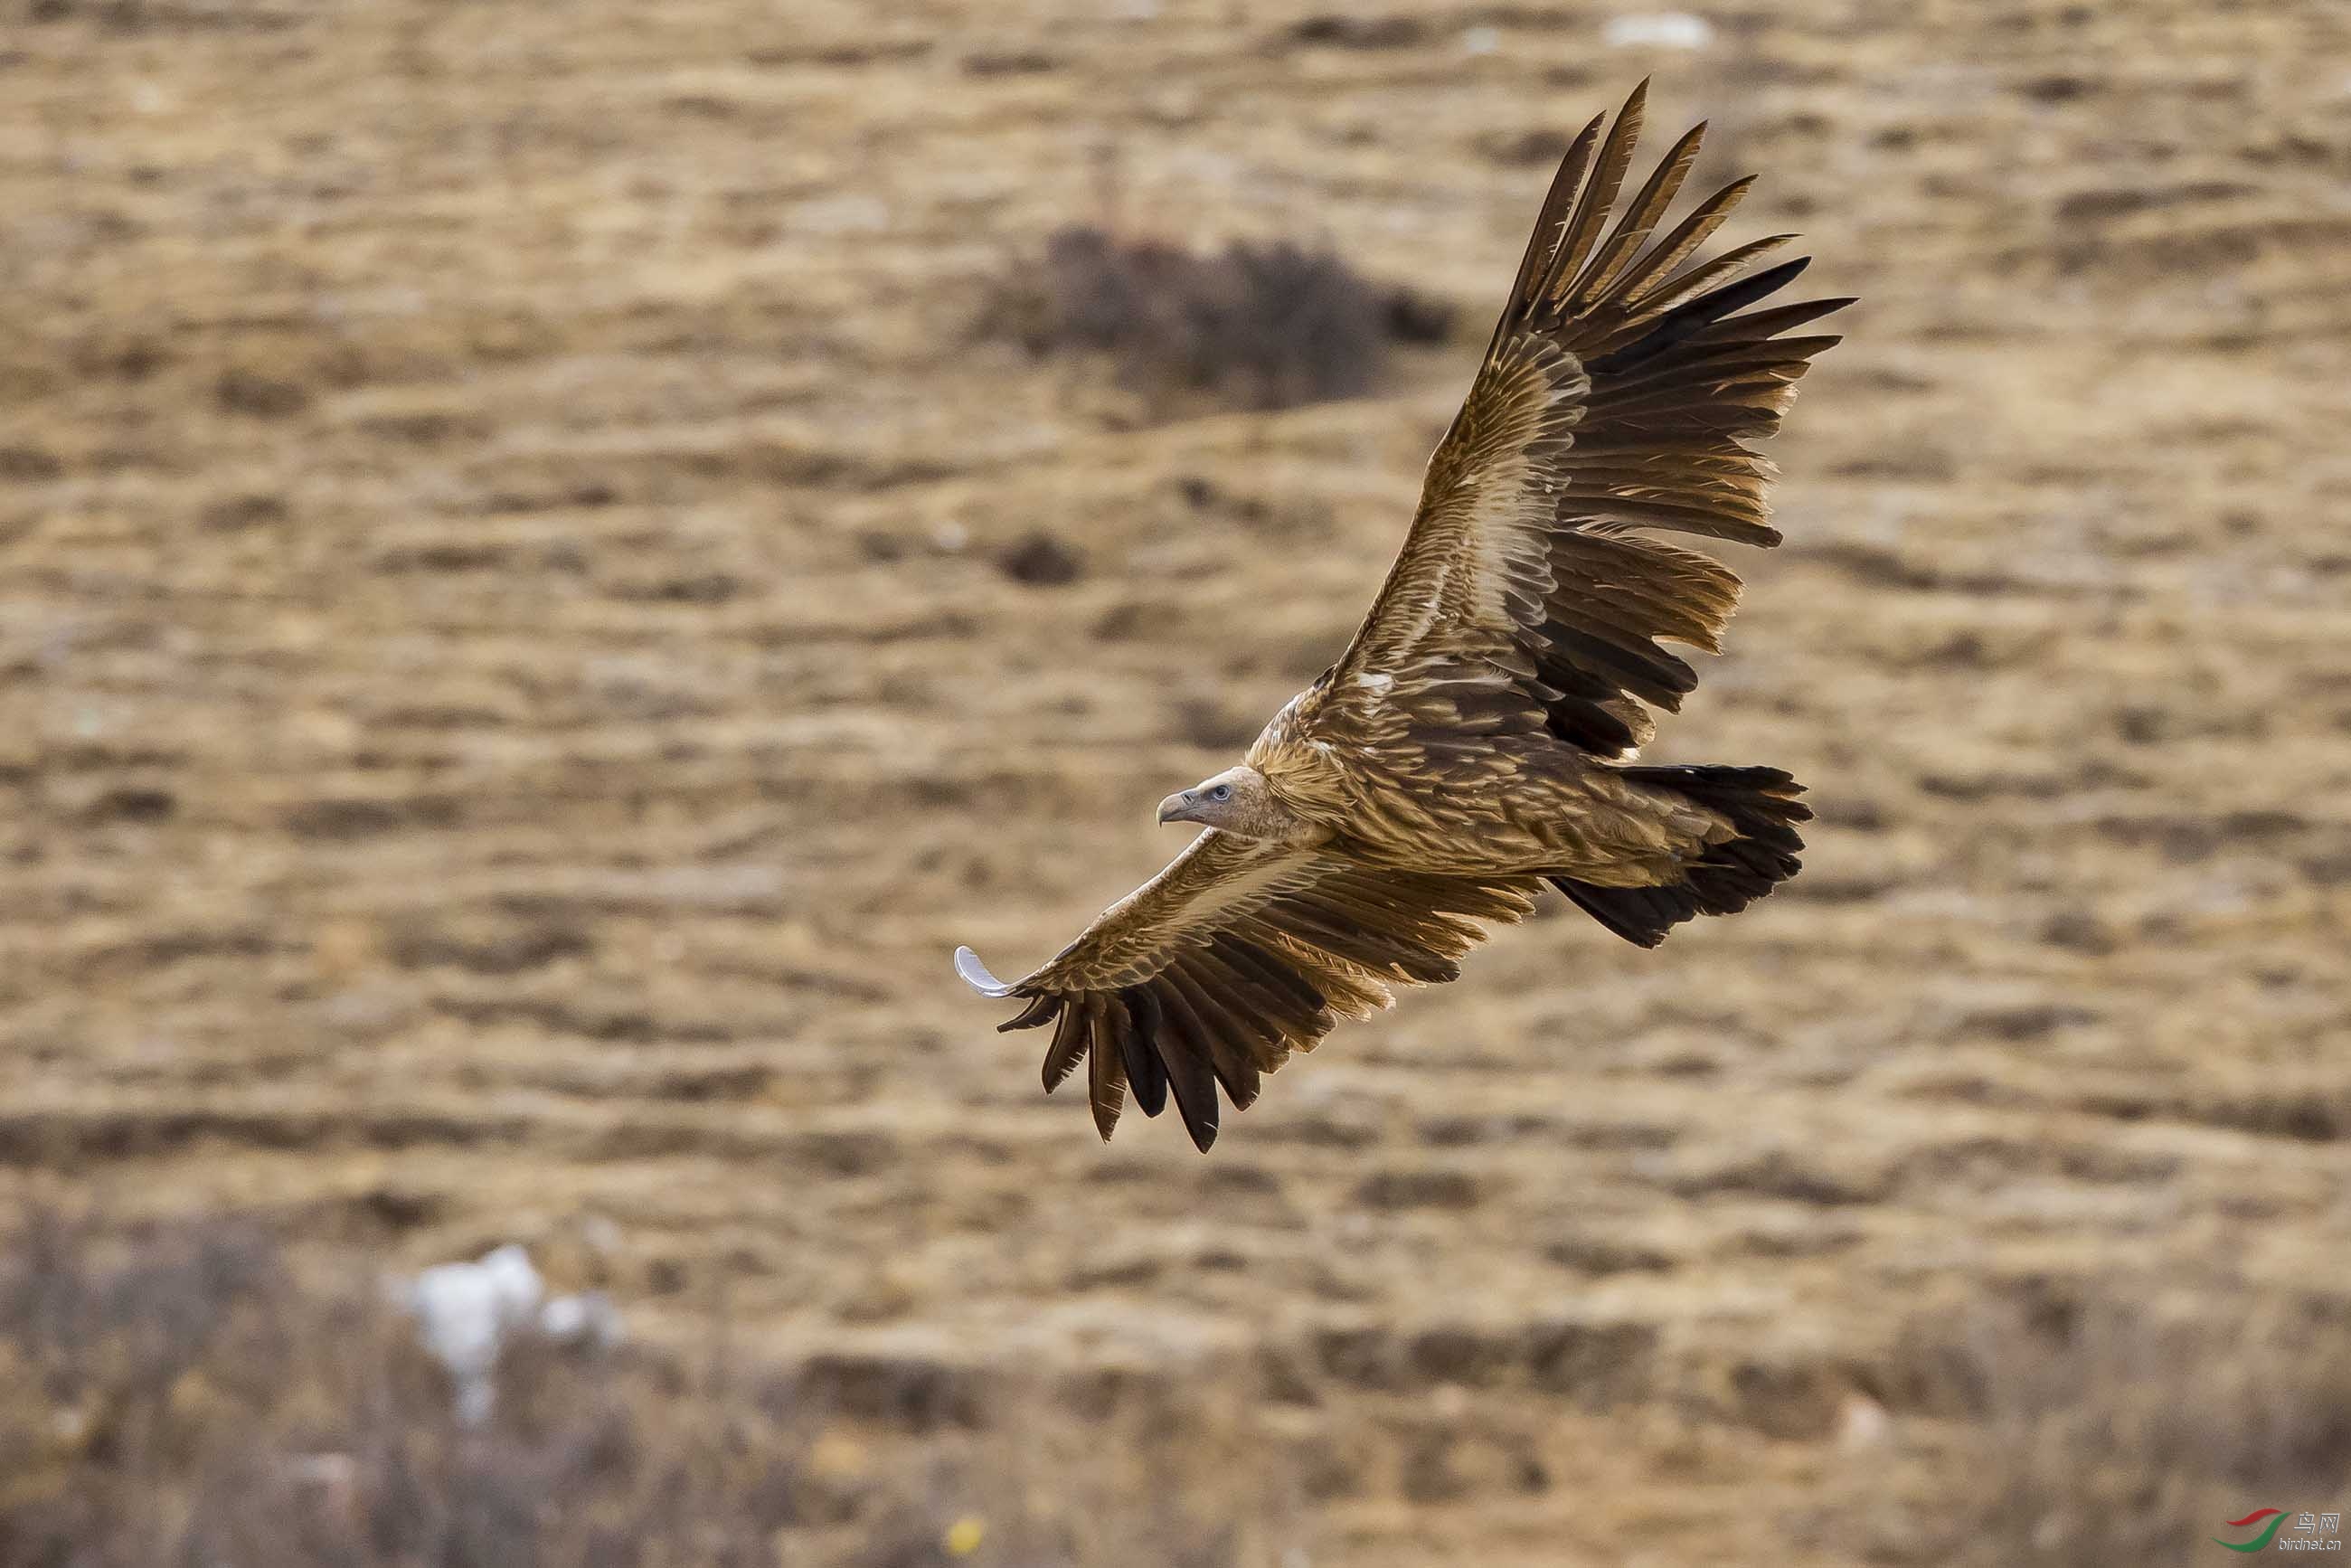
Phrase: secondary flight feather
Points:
(1475, 741)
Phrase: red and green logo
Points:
(2276, 1516)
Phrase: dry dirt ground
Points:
(509, 693)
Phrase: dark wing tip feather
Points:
(1105, 1063)
(1601, 184)
(1040, 1011)
(1551, 223)
(1071, 1038)
(1636, 104)
(1184, 1048)
(1687, 320)
(1147, 1075)
(1216, 1017)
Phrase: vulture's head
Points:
(1237, 801)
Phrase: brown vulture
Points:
(1475, 739)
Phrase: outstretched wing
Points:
(1238, 952)
(1618, 396)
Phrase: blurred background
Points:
(555, 559)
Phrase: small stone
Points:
(1041, 561)
(1863, 1422)
(1658, 30)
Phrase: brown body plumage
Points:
(1473, 741)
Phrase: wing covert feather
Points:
(1237, 953)
(1618, 400)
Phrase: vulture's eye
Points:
(1221, 792)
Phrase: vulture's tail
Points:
(1761, 804)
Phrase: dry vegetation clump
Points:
(1259, 325)
(2109, 1434)
(184, 1394)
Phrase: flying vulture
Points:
(1477, 739)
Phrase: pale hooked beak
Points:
(1178, 808)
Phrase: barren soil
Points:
(509, 693)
